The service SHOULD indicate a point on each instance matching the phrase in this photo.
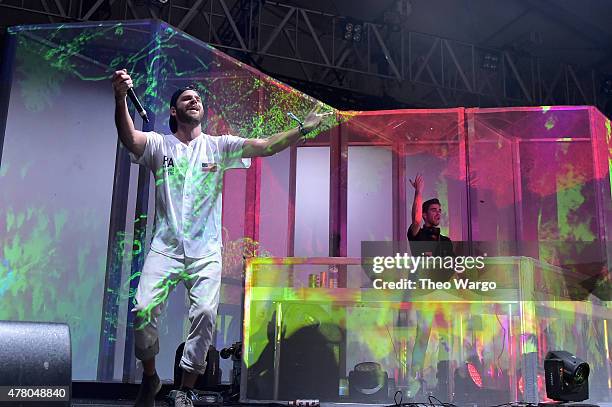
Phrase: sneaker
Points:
(204, 398)
(149, 387)
(178, 398)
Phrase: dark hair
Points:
(428, 203)
(173, 99)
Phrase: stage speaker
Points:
(35, 355)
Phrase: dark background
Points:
(424, 53)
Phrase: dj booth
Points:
(306, 341)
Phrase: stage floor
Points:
(159, 403)
(130, 403)
(90, 394)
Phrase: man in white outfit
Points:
(188, 166)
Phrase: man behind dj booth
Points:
(426, 241)
(430, 213)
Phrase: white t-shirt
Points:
(188, 185)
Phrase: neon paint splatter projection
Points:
(531, 181)
(55, 231)
(536, 175)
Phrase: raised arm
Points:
(280, 141)
(134, 140)
(417, 204)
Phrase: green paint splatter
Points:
(4, 166)
(59, 221)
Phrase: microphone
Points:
(137, 105)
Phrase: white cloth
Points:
(160, 274)
(189, 181)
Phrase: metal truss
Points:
(389, 61)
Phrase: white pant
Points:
(160, 274)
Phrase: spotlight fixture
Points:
(474, 374)
(368, 382)
(357, 32)
(353, 31)
(234, 351)
(348, 31)
(490, 62)
(471, 388)
(567, 377)
(468, 380)
(606, 85)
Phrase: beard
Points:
(183, 117)
(432, 221)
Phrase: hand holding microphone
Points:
(123, 86)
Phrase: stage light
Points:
(567, 377)
(353, 31)
(470, 386)
(235, 351)
(490, 62)
(474, 374)
(368, 382)
(357, 32)
(606, 85)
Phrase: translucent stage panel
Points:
(427, 142)
(60, 136)
(544, 168)
(538, 186)
(501, 175)
(307, 339)
(492, 181)
(56, 178)
(539, 177)
(275, 204)
(312, 202)
(368, 192)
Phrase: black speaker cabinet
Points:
(35, 361)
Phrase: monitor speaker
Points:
(35, 355)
